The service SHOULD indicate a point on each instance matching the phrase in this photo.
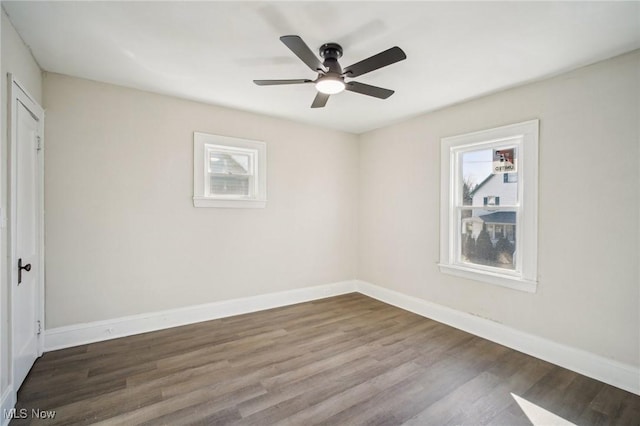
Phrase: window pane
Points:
(480, 186)
(226, 163)
(229, 185)
(488, 238)
(476, 167)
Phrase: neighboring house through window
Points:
(228, 172)
(489, 215)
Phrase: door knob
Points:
(26, 267)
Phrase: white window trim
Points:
(525, 278)
(203, 141)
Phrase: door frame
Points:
(18, 93)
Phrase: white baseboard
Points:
(7, 402)
(615, 373)
(80, 334)
(623, 376)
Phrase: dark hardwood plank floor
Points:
(344, 360)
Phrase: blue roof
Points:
(499, 217)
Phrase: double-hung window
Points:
(489, 191)
(228, 172)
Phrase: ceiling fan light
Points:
(330, 86)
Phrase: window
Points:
(228, 172)
(489, 205)
(491, 200)
(510, 178)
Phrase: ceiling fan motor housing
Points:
(331, 52)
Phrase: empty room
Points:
(320, 212)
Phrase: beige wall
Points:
(16, 59)
(122, 235)
(588, 293)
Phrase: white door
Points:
(26, 219)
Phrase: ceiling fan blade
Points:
(277, 82)
(382, 59)
(320, 100)
(365, 89)
(303, 52)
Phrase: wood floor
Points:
(345, 360)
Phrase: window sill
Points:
(220, 203)
(503, 280)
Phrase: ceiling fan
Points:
(331, 75)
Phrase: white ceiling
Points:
(211, 51)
